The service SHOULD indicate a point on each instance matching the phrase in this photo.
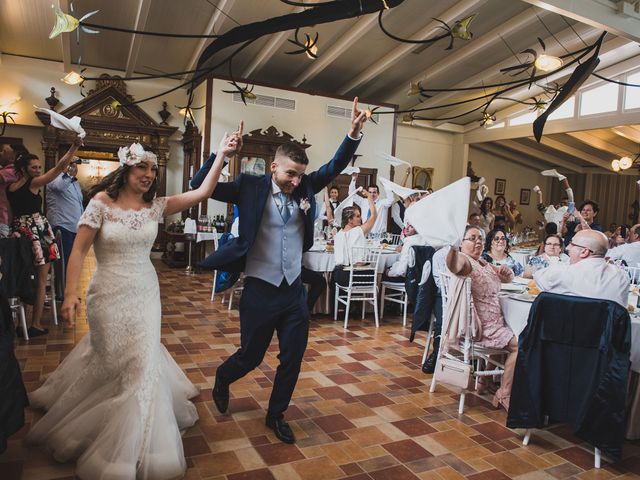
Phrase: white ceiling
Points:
(355, 57)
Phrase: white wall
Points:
(427, 148)
(310, 119)
(517, 177)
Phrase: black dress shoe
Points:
(281, 429)
(429, 365)
(220, 394)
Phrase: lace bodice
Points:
(124, 236)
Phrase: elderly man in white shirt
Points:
(588, 274)
(382, 205)
(629, 252)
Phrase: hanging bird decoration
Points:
(459, 30)
(369, 112)
(245, 92)
(309, 47)
(69, 23)
(6, 117)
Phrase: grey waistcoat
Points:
(277, 250)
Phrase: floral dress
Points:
(485, 286)
(29, 222)
(510, 262)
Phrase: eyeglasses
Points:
(552, 245)
(473, 239)
(499, 239)
(580, 246)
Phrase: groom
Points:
(276, 214)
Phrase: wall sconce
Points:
(72, 78)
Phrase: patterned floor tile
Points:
(361, 409)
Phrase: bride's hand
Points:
(69, 309)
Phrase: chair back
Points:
(634, 274)
(466, 315)
(363, 267)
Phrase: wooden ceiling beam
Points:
(216, 20)
(136, 40)
(459, 10)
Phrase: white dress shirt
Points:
(399, 267)
(439, 262)
(591, 277)
(629, 252)
(382, 205)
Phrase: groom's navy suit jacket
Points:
(251, 192)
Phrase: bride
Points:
(117, 403)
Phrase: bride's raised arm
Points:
(229, 145)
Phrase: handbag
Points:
(453, 372)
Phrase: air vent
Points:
(267, 101)
(334, 111)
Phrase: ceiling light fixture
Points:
(548, 63)
(615, 164)
(625, 162)
(72, 78)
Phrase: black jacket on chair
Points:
(422, 296)
(17, 269)
(573, 364)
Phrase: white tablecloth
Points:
(325, 261)
(516, 313)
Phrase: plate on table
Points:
(521, 281)
(512, 287)
(317, 248)
(523, 297)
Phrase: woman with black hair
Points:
(496, 251)
(487, 218)
(503, 217)
(118, 402)
(29, 221)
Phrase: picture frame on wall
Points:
(422, 178)
(500, 186)
(525, 196)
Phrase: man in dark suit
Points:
(276, 214)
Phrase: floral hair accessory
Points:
(135, 154)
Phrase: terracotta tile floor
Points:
(361, 409)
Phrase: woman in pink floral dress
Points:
(485, 286)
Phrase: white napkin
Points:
(64, 123)
(442, 216)
(402, 192)
(190, 226)
(349, 170)
(553, 173)
(395, 161)
(347, 202)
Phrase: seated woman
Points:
(353, 234)
(496, 252)
(551, 255)
(485, 286)
(398, 271)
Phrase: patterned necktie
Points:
(283, 207)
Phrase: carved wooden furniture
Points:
(111, 122)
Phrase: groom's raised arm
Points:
(325, 174)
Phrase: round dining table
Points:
(515, 309)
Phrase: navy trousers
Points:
(68, 238)
(265, 308)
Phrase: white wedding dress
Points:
(117, 403)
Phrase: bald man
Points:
(630, 251)
(588, 274)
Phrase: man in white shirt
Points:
(333, 203)
(382, 205)
(588, 274)
(629, 252)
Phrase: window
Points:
(528, 117)
(632, 94)
(600, 99)
(565, 110)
